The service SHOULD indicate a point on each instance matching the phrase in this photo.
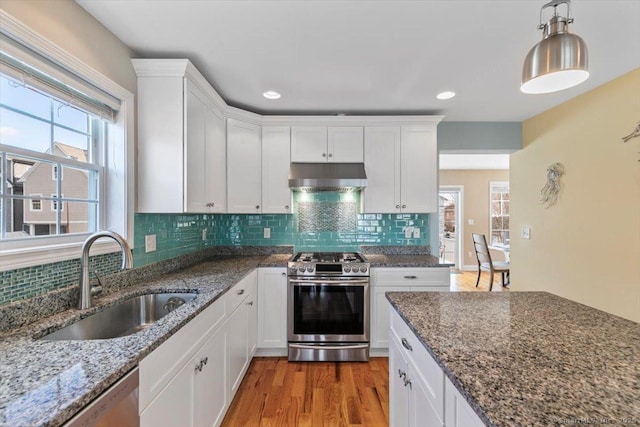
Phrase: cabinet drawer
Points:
(162, 364)
(436, 276)
(429, 371)
(239, 291)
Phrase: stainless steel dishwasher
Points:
(118, 406)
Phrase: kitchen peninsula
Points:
(521, 358)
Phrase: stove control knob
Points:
(347, 269)
(301, 269)
(310, 269)
(363, 269)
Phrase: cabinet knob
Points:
(407, 383)
(286, 206)
(397, 206)
(210, 204)
(330, 154)
(284, 274)
(324, 154)
(241, 291)
(250, 303)
(257, 206)
(406, 344)
(404, 206)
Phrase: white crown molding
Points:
(160, 67)
(15, 29)
(353, 120)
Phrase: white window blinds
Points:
(31, 69)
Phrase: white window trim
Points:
(117, 185)
(31, 202)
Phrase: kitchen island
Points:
(529, 358)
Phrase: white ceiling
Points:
(372, 57)
(474, 161)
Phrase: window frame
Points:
(498, 187)
(33, 199)
(116, 156)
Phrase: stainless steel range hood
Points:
(312, 177)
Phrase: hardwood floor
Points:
(275, 392)
(466, 281)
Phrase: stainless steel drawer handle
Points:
(240, 292)
(402, 374)
(406, 344)
(410, 277)
(407, 383)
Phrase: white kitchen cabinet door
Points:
(382, 165)
(345, 144)
(173, 407)
(244, 169)
(458, 413)
(309, 144)
(398, 391)
(210, 398)
(194, 145)
(418, 169)
(215, 155)
(380, 314)
(276, 159)
(272, 308)
(237, 351)
(251, 304)
(421, 413)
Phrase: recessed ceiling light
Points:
(446, 95)
(271, 94)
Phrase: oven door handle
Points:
(330, 282)
(329, 347)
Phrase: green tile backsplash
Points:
(180, 234)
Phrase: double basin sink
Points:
(124, 318)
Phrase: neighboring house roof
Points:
(62, 150)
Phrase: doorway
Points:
(450, 225)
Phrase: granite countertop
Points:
(44, 383)
(530, 358)
(404, 260)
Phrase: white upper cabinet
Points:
(181, 144)
(402, 171)
(345, 144)
(418, 169)
(244, 167)
(309, 144)
(276, 158)
(320, 144)
(382, 165)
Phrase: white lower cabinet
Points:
(430, 279)
(272, 310)
(191, 378)
(419, 392)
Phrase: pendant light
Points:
(559, 61)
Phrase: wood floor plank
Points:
(276, 393)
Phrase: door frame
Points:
(459, 221)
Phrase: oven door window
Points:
(332, 310)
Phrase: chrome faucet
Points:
(85, 300)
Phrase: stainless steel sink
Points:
(125, 318)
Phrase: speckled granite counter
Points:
(44, 383)
(530, 358)
(407, 261)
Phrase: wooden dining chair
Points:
(485, 263)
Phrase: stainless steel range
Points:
(328, 307)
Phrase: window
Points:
(49, 138)
(499, 213)
(65, 129)
(36, 204)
